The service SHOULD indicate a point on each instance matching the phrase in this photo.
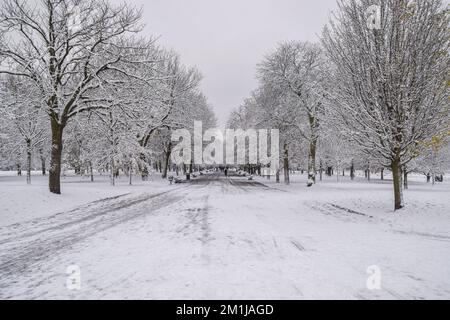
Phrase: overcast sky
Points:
(225, 39)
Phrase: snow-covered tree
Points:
(68, 48)
(298, 70)
(432, 160)
(391, 82)
(23, 121)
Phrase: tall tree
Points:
(66, 47)
(23, 119)
(298, 70)
(391, 80)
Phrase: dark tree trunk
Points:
(286, 164)
(28, 161)
(43, 167)
(321, 170)
(91, 171)
(55, 162)
(329, 171)
(312, 160)
(167, 160)
(130, 171)
(19, 169)
(397, 177)
(186, 172)
(405, 179)
(382, 174)
(352, 171)
(144, 173)
(112, 173)
(143, 169)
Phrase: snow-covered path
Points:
(220, 238)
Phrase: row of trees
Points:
(364, 97)
(77, 74)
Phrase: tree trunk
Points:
(321, 170)
(397, 177)
(28, 161)
(382, 174)
(187, 172)
(43, 168)
(286, 164)
(278, 176)
(352, 171)
(167, 160)
(55, 162)
(113, 173)
(143, 167)
(131, 174)
(312, 160)
(329, 171)
(405, 179)
(91, 170)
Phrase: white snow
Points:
(21, 202)
(226, 239)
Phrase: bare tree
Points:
(23, 119)
(297, 69)
(66, 47)
(391, 82)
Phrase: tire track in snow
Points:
(42, 222)
(32, 249)
(74, 216)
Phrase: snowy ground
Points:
(223, 238)
(21, 202)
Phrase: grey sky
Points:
(225, 39)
